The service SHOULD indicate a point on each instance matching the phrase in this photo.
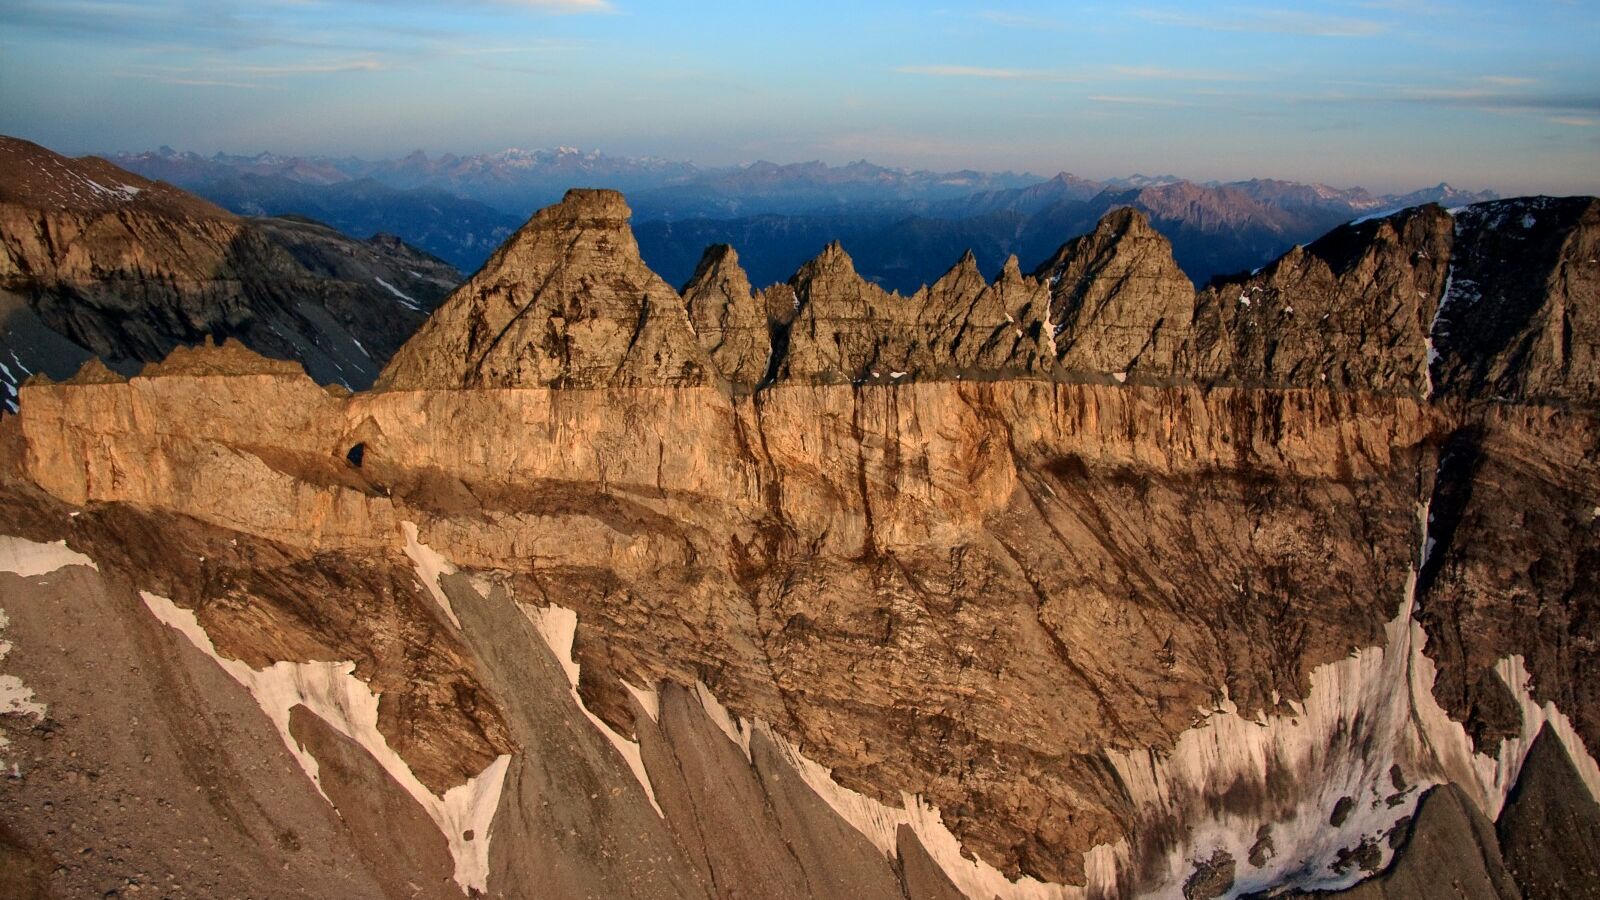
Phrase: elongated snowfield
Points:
(559, 626)
(331, 691)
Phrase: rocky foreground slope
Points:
(1079, 583)
(99, 262)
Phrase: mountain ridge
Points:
(1356, 309)
(1077, 583)
(96, 261)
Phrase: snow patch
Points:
(1378, 215)
(430, 566)
(405, 298)
(648, 698)
(331, 691)
(16, 698)
(738, 732)
(1342, 741)
(558, 626)
(1513, 672)
(30, 558)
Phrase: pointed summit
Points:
(728, 319)
(1117, 298)
(833, 260)
(963, 277)
(566, 301)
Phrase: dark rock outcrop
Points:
(1550, 827)
(98, 261)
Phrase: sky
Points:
(1385, 94)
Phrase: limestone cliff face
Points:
(567, 302)
(98, 261)
(929, 584)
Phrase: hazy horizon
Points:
(704, 167)
(1389, 95)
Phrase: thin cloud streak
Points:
(1157, 73)
(1269, 21)
(1125, 100)
(945, 71)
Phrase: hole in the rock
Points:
(356, 454)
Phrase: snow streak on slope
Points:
(975, 878)
(29, 559)
(404, 298)
(558, 626)
(430, 565)
(1323, 788)
(331, 691)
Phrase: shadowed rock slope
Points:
(96, 261)
(612, 590)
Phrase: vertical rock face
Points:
(565, 302)
(1518, 321)
(1118, 301)
(1351, 311)
(728, 317)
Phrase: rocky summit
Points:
(1073, 583)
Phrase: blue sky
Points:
(1383, 93)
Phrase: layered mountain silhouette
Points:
(903, 227)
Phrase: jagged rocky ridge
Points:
(568, 302)
(98, 262)
(1129, 587)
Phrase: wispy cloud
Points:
(555, 6)
(368, 64)
(1158, 73)
(192, 82)
(1126, 100)
(945, 71)
(1268, 21)
(1019, 20)
(1508, 80)
(1476, 98)
(1576, 121)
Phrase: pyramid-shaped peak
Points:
(965, 269)
(718, 264)
(717, 256)
(1012, 269)
(833, 259)
(1124, 220)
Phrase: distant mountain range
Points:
(902, 226)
